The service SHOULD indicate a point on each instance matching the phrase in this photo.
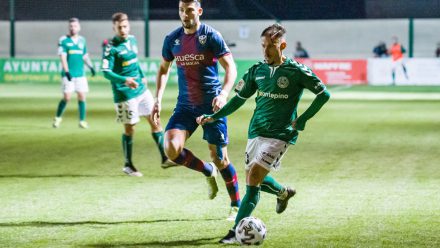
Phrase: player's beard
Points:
(189, 25)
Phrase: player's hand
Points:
(203, 119)
(131, 83)
(68, 76)
(156, 112)
(299, 124)
(92, 70)
(218, 102)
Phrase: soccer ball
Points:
(250, 231)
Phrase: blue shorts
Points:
(184, 118)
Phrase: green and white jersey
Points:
(120, 57)
(279, 90)
(75, 50)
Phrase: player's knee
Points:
(172, 148)
(220, 163)
(129, 130)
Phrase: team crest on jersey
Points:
(81, 46)
(240, 85)
(176, 42)
(202, 39)
(135, 49)
(283, 82)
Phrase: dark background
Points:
(225, 9)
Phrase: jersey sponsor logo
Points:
(260, 78)
(273, 95)
(202, 39)
(240, 85)
(190, 59)
(69, 44)
(129, 62)
(75, 52)
(283, 82)
(176, 42)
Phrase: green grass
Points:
(366, 172)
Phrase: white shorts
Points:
(396, 64)
(266, 152)
(78, 84)
(128, 112)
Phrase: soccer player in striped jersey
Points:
(197, 49)
(130, 94)
(72, 49)
(279, 83)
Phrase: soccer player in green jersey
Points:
(72, 50)
(279, 83)
(130, 94)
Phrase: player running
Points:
(197, 48)
(130, 93)
(72, 50)
(279, 83)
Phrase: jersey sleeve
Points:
(108, 59)
(167, 53)
(85, 47)
(247, 86)
(62, 49)
(310, 81)
(218, 45)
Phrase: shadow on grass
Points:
(57, 176)
(175, 243)
(79, 223)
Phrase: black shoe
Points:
(282, 203)
(229, 238)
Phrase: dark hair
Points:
(274, 31)
(73, 19)
(199, 2)
(119, 17)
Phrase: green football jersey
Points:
(279, 90)
(75, 52)
(120, 57)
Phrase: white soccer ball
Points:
(250, 231)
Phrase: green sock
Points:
(82, 110)
(248, 204)
(127, 147)
(61, 107)
(269, 185)
(158, 138)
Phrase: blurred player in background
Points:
(72, 50)
(197, 48)
(130, 93)
(279, 82)
(396, 51)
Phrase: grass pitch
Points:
(366, 171)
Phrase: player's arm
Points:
(227, 62)
(310, 81)
(161, 82)
(107, 69)
(245, 88)
(319, 101)
(89, 64)
(62, 52)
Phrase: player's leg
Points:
(67, 88)
(145, 108)
(127, 114)
(174, 148)
(393, 71)
(179, 128)
(217, 136)
(404, 70)
(254, 177)
(127, 148)
(229, 175)
(81, 88)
